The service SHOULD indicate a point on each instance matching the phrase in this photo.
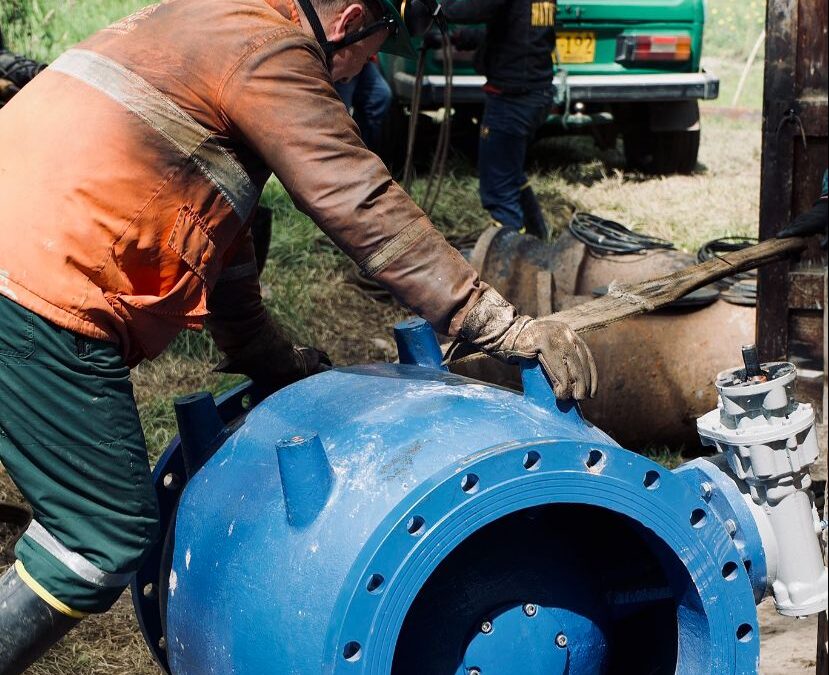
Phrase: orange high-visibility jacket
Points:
(130, 166)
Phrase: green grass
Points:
(729, 72)
(42, 29)
(731, 28)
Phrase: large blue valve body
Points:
(396, 518)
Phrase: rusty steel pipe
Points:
(656, 371)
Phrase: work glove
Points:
(272, 361)
(806, 224)
(494, 326)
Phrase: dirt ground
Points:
(787, 646)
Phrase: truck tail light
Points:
(633, 48)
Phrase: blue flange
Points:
(374, 520)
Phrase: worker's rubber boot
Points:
(28, 626)
(534, 222)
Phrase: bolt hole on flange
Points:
(595, 461)
(352, 652)
(729, 571)
(416, 526)
(171, 481)
(375, 583)
(745, 632)
(651, 480)
(470, 483)
(532, 460)
(698, 518)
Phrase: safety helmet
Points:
(399, 42)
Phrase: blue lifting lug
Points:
(539, 390)
(417, 344)
(307, 477)
(199, 424)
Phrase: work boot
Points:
(534, 222)
(18, 69)
(28, 626)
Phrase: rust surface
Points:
(656, 371)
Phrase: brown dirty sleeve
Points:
(280, 100)
(237, 314)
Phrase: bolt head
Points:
(530, 609)
(706, 489)
(730, 527)
(473, 671)
(561, 640)
(486, 627)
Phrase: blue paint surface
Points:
(313, 566)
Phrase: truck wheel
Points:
(660, 137)
(662, 152)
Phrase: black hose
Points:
(607, 237)
(438, 168)
(740, 288)
(408, 173)
(717, 247)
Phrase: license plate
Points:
(576, 46)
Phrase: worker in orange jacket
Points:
(167, 125)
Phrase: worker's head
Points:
(355, 30)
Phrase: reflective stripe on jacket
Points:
(130, 166)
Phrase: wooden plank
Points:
(811, 48)
(806, 289)
(805, 330)
(813, 117)
(776, 170)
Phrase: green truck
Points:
(622, 67)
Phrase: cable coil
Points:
(607, 237)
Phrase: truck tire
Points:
(662, 152)
(661, 138)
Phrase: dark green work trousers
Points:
(71, 440)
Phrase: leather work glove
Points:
(272, 361)
(494, 326)
(813, 221)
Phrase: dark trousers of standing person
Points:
(509, 123)
(369, 96)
